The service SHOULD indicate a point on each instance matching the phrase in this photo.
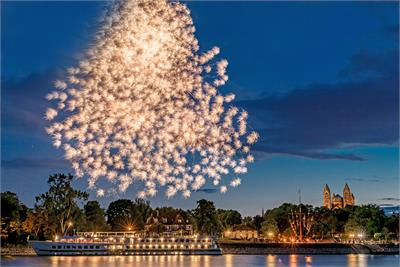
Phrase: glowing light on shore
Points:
(144, 106)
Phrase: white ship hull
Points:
(58, 248)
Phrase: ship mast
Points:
(301, 219)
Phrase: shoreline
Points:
(255, 248)
(17, 250)
(250, 248)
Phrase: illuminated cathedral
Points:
(337, 201)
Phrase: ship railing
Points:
(117, 237)
(107, 234)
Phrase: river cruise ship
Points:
(126, 243)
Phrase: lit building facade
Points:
(337, 201)
(173, 223)
(241, 232)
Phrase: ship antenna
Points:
(299, 196)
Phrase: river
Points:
(353, 260)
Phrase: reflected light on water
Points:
(195, 261)
(271, 260)
(308, 260)
(351, 260)
(228, 261)
(293, 260)
(362, 260)
(357, 260)
(206, 261)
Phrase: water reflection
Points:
(308, 260)
(293, 261)
(352, 260)
(228, 260)
(271, 260)
(357, 260)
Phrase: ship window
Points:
(85, 247)
(97, 247)
(59, 247)
(91, 246)
(80, 247)
(73, 246)
(68, 247)
(53, 246)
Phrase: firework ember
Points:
(144, 106)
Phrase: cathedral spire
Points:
(327, 197)
(348, 197)
(337, 201)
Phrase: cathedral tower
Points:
(327, 197)
(348, 197)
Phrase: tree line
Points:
(63, 210)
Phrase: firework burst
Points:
(144, 106)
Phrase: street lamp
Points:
(68, 226)
(228, 234)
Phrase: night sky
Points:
(319, 80)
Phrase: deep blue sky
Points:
(320, 81)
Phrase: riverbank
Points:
(257, 248)
(252, 248)
(220, 261)
(17, 250)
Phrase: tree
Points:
(392, 224)
(248, 220)
(119, 214)
(35, 224)
(372, 218)
(95, 217)
(269, 228)
(257, 222)
(326, 223)
(387, 235)
(339, 217)
(157, 228)
(13, 213)
(141, 211)
(60, 203)
(281, 216)
(229, 218)
(378, 236)
(321, 229)
(206, 218)
(11, 207)
(353, 227)
(123, 214)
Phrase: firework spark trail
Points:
(144, 106)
